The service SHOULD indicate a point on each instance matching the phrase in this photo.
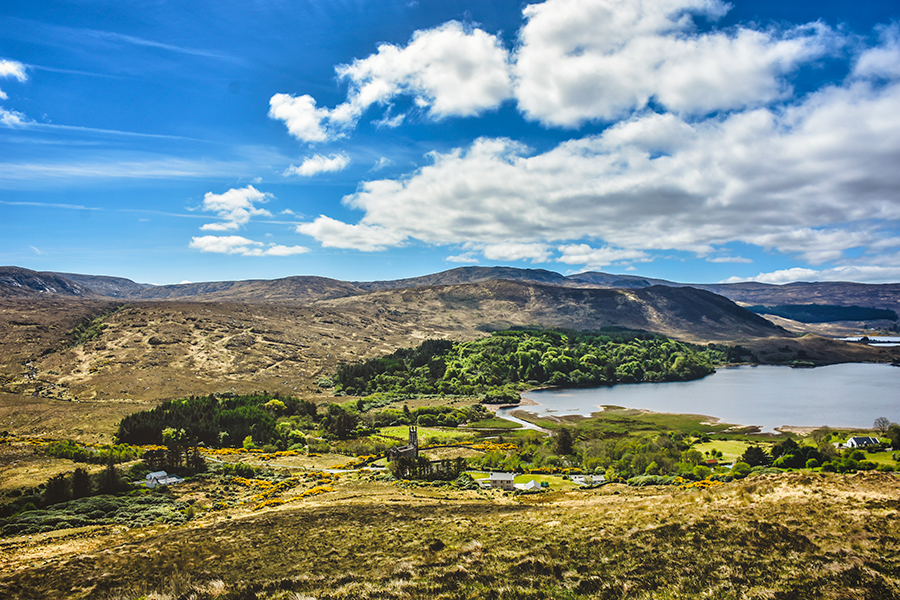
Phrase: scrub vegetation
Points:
(276, 526)
(791, 535)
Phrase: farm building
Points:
(161, 478)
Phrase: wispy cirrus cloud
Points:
(115, 166)
(729, 259)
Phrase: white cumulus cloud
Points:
(813, 179)
(594, 258)
(11, 69)
(304, 121)
(450, 70)
(536, 253)
(11, 118)
(464, 258)
(235, 244)
(319, 164)
(235, 207)
(336, 234)
(882, 61)
(586, 60)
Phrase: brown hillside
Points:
(152, 350)
(684, 313)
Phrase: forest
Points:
(497, 366)
(273, 422)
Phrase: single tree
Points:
(109, 478)
(882, 424)
(81, 483)
(56, 490)
(788, 446)
(821, 434)
(564, 441)
(339, 422)
(893, 432)
(756, 457)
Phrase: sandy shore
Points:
(805, 431)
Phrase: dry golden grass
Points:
(787, 536)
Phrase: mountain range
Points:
(16, 281)
(112, 341)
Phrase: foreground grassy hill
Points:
(773, 536)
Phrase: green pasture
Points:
(493, 423)
(731, 449)
(438, 435)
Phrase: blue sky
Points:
(692, 140)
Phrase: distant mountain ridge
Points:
(683, 312)
(113, 287)
(17, 281)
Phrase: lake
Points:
(875, 340)
(847, 395)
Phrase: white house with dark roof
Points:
(861, 442)
(504, 481)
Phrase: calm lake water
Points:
(848, 395)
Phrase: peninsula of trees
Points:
(496, 366)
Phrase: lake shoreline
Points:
(767, 398)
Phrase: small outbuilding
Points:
(531, 485)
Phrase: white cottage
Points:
(504, 481)
(861, 442)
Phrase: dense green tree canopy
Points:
(511, 359)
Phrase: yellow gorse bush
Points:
(703, 484)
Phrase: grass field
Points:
(731, 449)
(621, 421)
(494, 423)
(436, 434)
